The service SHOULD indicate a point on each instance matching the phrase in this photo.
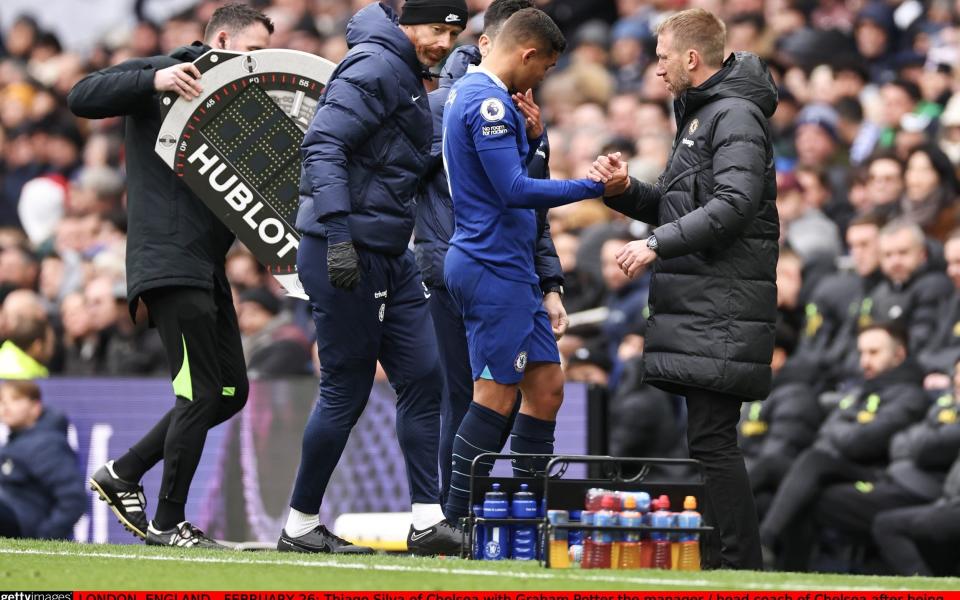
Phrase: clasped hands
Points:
(612, 172)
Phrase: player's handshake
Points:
(611, 172)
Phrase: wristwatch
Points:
(653, 244)
(554, 288)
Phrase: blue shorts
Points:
(507, 326)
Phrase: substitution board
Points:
(237, 146)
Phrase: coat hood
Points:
(190, 53)
(457, 64)
(379, 24)
(907, 372)
(743, 75)
(50, 421)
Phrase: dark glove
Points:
(343, 265)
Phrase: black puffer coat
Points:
(713, 300)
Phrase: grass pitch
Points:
(40, 565)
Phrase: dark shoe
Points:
(442, 538)
(319, 540)
(184, 535)
(125, 499)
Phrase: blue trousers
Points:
(385, 317)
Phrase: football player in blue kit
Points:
(489, 269)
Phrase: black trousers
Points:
(811, 472)
(712, 438)
(9, 524)
(852, 507)
(901, 534)
(201, 336)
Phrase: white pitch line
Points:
(566, 575)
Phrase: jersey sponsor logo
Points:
(493, 130)
(520, 363)
(492, 109)
(452, 18)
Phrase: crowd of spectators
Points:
(867, 140)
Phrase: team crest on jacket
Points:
(520, 363)
(693, 125)
(492, 109)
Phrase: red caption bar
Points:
(558, 595)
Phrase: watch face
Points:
(237, 146)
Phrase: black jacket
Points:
(861, 427)
(786, 423)
(434, 225)
(713, 300)
(914, 303)
(173, 239)
(921, 454)
(41, 480)
(942, 350)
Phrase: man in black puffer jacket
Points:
(713, 298)
(363, 157)
(176, 255)
(852, 443)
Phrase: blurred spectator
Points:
(19, 269)
(804, 228)
(884, 184)
(920, 456)
(590, 364)
(626, 298)
(941, 351)
(27, 349)
(909, 537)
(930, 192)
(272, 345)
(774, 431)
(852, 442)
(643, 420)
(42, 490)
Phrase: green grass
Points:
(38, 565)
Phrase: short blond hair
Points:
(698, 29)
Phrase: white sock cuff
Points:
(426, 515)
(299, 523)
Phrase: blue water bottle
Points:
(479, 533)
(497, 537)
(575, 535)
(524, 537)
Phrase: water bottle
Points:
(646, 543)
(478, 533)
(524, 537)
(612, 504)
(497, 539)
(629, 557)
(602, 540)
(588, 556)
(689, 558)
(661, 539)
(575, 536)
(558, 550)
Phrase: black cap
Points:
(448, 12)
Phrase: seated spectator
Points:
(589, 363)
(804, 228)
(884, 184)
(773, 432)
(903, 534)
(920, 457)
(626, 298)
(27, 350)
(930, 192)
(852, 443)
(643, 421)
(911, 289)
(829, 330)
(942, 348)
(41, 488)
(272, 345)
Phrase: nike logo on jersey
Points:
(415, 98)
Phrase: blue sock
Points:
(480, 431)
(531, 435)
